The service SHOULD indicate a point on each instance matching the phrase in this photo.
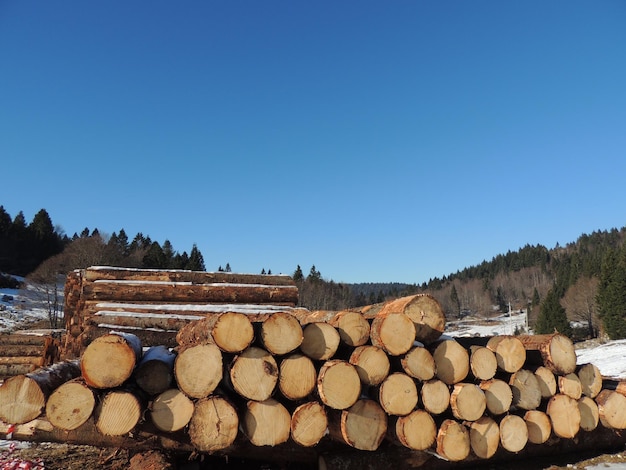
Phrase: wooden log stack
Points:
(24, 353)
(155, 304)
(382, 381)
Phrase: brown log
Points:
(266, 423)
(155, 372)
(309, 424)
(416, 431)
(32, 360)
(554, 351)
(214, 424)
(467, 401)
(297, 377)
(23, 397)
(11, 350)
(484, 436)
(564, 416)
(590, 379)
(171, 410)
(108, 361)
(589, 413)
(71, 404)
(451, 361)
(232, 332)
(9, 370)
(253, 374)
(112, 273)
(547, 381)
(612, 409)
(498, 396)
(392, 332)
(353, 328)
(435, 396)
(453, 441)
(539, 426)
(483, 363)
(423, 309)
(123, 320)
(570, 385)
(118, 412)
(513, 433)
(198, 370)
(510, 352)
(147, 337)
(188, 292)
(371, 363)
(418, 363)
(363, 426)
(320, 341)
(281, 333)
(525, 388)
(397, 394)
(338, 384)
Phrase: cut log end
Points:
(21, 400)
(118, 413)
(198, 370)
(338, 384)
(484, 437)
(309, 424)
(171, 411)
(70, 405)
(266, 423)
(453, 441)
(213, 425)
(417, 430)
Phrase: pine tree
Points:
(196, 261)
(454, 297)
(611, 296)
(297, 275)
(552, 316)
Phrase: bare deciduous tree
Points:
(580, 303)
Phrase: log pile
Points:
(380, 385)
(23, 353)
(155, 304)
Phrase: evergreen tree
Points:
(227, 269)
(611, 296)
(314, 275)
(552, 316)
(154, 257)
(168, 254)
(196, 261)
(454, 297)
(297, 275)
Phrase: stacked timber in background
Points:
(294, 385)
(155, 304)
(21, 353)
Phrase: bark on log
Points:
(23, 397)
(363, 426)
(213, 425)
(338, 384)
(451, 361)
(453, 441)
(112, 273)
(612, 409)
(171, 410)
(118, 412)
(435, 396)
(160, 322)
(397, 394)
(297, 377)
(392, 332)
(510, 352)
(71, 404)
(146, 291)
(513, 433)
(484, 436)
(539, 426)
(198, 370)
(309, 424)
(589, 413)
(416, 431)
(281, 333)
(266, 423)
(616, 385)
(109, 360)
(467, 401)
(371, 363)
(547, 382)
(419, 363)
(232, 332)
(590, 379)
(155, 372)
(320, 341)
(564, 416)
(525, 388)
(253, 374)
(423, 309)
(9, 370)
(498, 396)
(483, 363)
(554, 351)
(570, 385)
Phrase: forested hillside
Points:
(582, 283)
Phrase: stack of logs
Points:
(381, 380)
(21, 353)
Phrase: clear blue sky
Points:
(379, 141)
